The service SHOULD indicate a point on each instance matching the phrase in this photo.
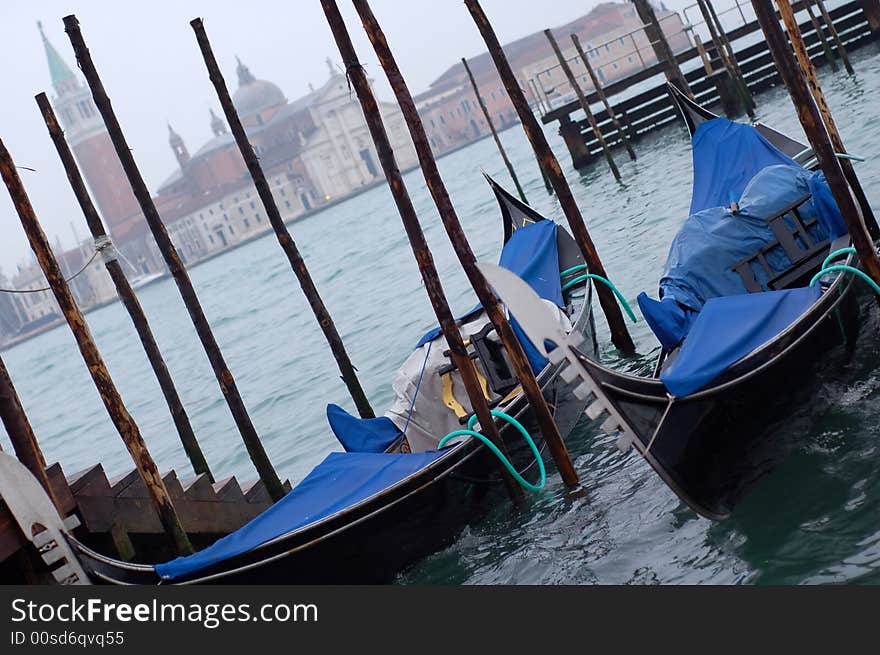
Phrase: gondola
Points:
(745, 329)
(366, 514)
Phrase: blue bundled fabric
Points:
(340, 481)
(361, 435)
(532, 253)
(728, 329)
(712, 241)
(726, 157)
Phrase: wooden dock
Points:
(857, 21)
(118, 519)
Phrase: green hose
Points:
(837, 253)
(850, 269)
(506, 462)
(592, 276)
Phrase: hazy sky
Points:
(151, 67)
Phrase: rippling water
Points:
(813, 520)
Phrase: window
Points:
(287, 204)
(210, 238)
(442, 120)
(621, 40)
(630, 59)
(247, 224)
(240, 211)
(253, 205)
(231, 230)
(283, 192)
(258, 217)
(492, 93)
(432, 123)
(211, 211)
(615, 66)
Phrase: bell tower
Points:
(178, 147)
(88, 138)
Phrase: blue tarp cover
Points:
(728, 329)
(712, 241)
(340, 481)
(361, 435)
(727, 156)
(532, 254)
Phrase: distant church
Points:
(314, 150)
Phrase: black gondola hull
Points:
(712, 447)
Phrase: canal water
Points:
(813, 520)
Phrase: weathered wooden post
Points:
(21, 434)
(462, 248)
(424, 258)
(871, 9)
(826, 49)
(727, 57)
(125, 292)
(123, 421)
(585, 106)
(719, 38)
(175, 265)
(597, 85)
(786, 11)
(491, 124)
(841, 50)
(661, 47)
(811, 121)
(619, 334)
(544, 177)
(288, 245)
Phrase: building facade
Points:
(612, 35)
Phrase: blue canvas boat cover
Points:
(361, 435)
(726, 157)
(532, 253)
(340, 481)
(728, 329)
(703, 253)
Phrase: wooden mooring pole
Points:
(838, 43)
(619, 334)
(661, 47)
(597, 85)
(124, 422)
(826, 49)
(786, 11)
(585, 106)
(125, 292)
(448, 215)
(175, 265)
(491, 124)
(811, 121)
(727, 56)
(425, 260)
(288, 245)
(21, 434)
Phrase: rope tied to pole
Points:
(103, 246)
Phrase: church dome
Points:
(253, 95)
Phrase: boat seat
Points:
(794, 239)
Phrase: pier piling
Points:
(811, 121)
(619, 334)
(125, 292)
(491, 124)
(786, 11)
(424, 258)
(21, 434)
(122, 420)
(817, 27)
(661, 47)
(285, 239)
(838, 43)
(727, 55)
(175, 265)
(585, 106)
(463, 250)
(597, 85)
